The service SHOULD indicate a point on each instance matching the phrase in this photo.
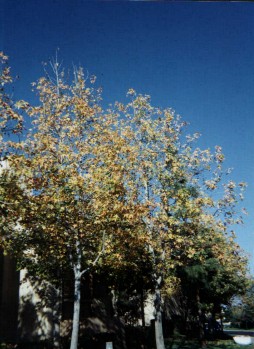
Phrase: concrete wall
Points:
(37, 320)
(26, 307)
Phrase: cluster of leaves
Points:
(11, 121)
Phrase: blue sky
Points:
(196, 57)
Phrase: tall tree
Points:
(176, 181)
(76, 198)
(11, 127)
(121, 182)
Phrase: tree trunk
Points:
(159, 338)
(76, 307)
(77, 290)
(201, 323)
(142, 305)
(159, 331)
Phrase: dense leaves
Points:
(123, 188)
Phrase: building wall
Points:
(26, 308)
(30, 313)
(35, 310)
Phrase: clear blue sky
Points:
(197, 58)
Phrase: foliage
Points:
(11, 127)
(220, 275)
(11, 121)
(120, 188)
(241, 310)
(74, 198)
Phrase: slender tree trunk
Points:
(159, 331)
(157, 297)
(76, 307)
(77, 290)
(201, 323)
(159, 338)
(142, 307)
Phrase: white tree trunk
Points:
(77, 290)
(158, 331)
(157, 296)
(159, 338)
(76, 307)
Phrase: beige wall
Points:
(35, 313)
(24, 316)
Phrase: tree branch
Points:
(98, 256)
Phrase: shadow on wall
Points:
(40, 313)
(38, 319)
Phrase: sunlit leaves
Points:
(127, 173)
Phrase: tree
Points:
(11, 128)
(210, 282)
(73, 203)
(121, 182)
(176, 182)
